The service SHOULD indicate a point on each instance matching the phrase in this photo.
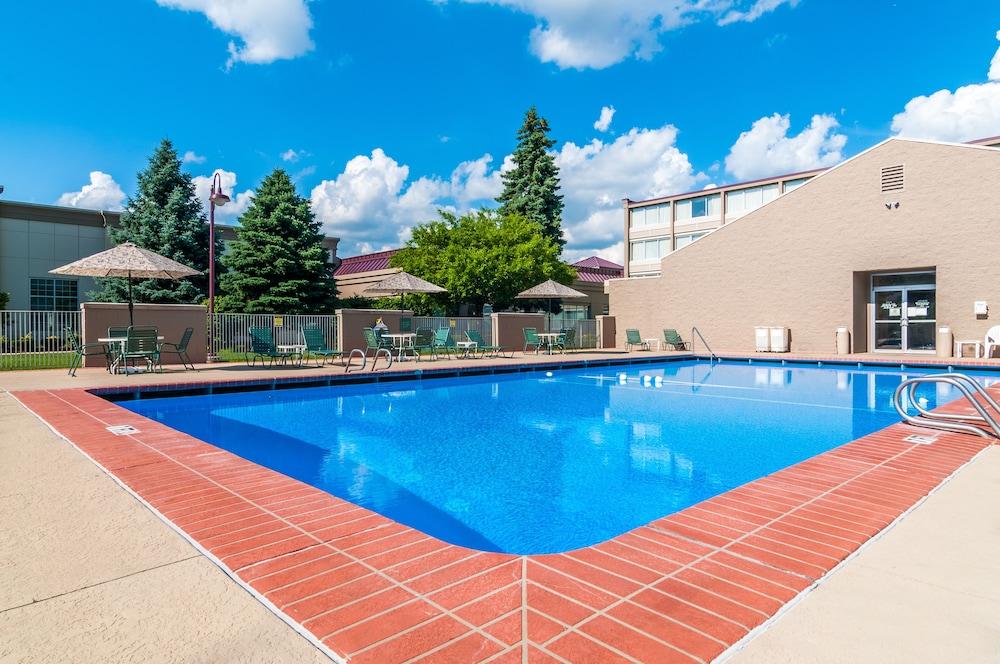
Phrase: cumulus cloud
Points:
(190, 157)
(768, 149)
(604, 121)
(238, 203)
(265, 30)
(970, 112)
(596, 35)
(101, 193)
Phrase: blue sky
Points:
(385, 110)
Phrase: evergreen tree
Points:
(278, 263)
(531, 188)
(165, 216)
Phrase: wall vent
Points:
(892, 178)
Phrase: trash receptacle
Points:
(762, 339)
(843, 341)
(945, 341)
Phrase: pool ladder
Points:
(988, 409)
(711, 353)
(364, 359)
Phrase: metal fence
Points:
(459, 325)
(585, 329)
(36, 339)
(231, 338)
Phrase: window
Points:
(703, 207)
(746, 200)
(650, 215)
(688, 238)
(792, 185)
(649, 251)
(54, 295)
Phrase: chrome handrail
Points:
(948, 421)
(350, 358)
(388, 356)
(711, 353)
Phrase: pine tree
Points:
(278, 263)
(164, 216)
(531, 188)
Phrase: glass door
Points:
(905, 317)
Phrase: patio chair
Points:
(672, 338)
(118, 332)
(566, 339)
(443, 341)
(179, 349)
(633, 339)
(81, 350)
(262, 346)
(992, 340)
(141, 343)
(374, 341)
(315, 344)
(424, 342)
(483, 347)
(531, 339)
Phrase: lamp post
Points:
(216, 197)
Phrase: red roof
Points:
(597, 270)
(365, 263)
(598, 263)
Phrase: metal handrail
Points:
(388, 356)
(350, 359)
(948, 421)
(711, 353)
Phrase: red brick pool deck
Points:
(683, 588)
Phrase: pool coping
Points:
(690, 586)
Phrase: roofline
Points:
(58, 214)
(723, 187)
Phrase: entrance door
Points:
(905, 315)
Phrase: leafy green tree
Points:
(278, 263)
(531, 188)
(164, 216)
(481, 257)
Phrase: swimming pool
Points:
(535, 463)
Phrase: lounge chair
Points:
(671, 338)
(315, 344)
(633, 339)
(81, 350)
(262, 346)
(531, 339)
(179, 349)
(483, 347)
(141, 343)
(991, 340)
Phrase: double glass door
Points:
(905, 318)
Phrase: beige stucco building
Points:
(891, 244)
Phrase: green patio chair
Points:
(374, 341)
(315, 344)
(633, 339)
(483, 347)
(179, 349)
(141, 343)
(81, 350)
(566, 339)
(443, 341)
(531, 339)
(424, 342)
(671, 338)
(118, 332)
(262, 346)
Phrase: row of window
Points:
(709, 207)
(54, 295)
(647, 251)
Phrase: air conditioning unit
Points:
(762, 339)
(779, 339)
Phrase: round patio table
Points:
(549, 338)
(402, 341)
(120, 341)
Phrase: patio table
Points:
(467, 347)
(402, 341)
(120, 341)
(549, 338)
(293, 348)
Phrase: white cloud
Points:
(768, 149)
(970, 112)
(754, 12)
(190, 157)
(290, 155)
(604, 121)
(239, 202)
(102, 193)
(597, 34)
(267, 30)
(640, 164)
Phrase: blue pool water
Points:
(529, 463)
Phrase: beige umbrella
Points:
(129, 261)
(550, 290)
(402, 283)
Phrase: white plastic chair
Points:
(992, 340)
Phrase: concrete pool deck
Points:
(138, 621)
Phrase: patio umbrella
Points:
(128, 261)
(402, 283)
(550, 290)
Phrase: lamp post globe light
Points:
(215, 197)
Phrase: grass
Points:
(28, 361)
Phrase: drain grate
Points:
(920, 440)
(122, 430)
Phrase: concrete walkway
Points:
(927, 591)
